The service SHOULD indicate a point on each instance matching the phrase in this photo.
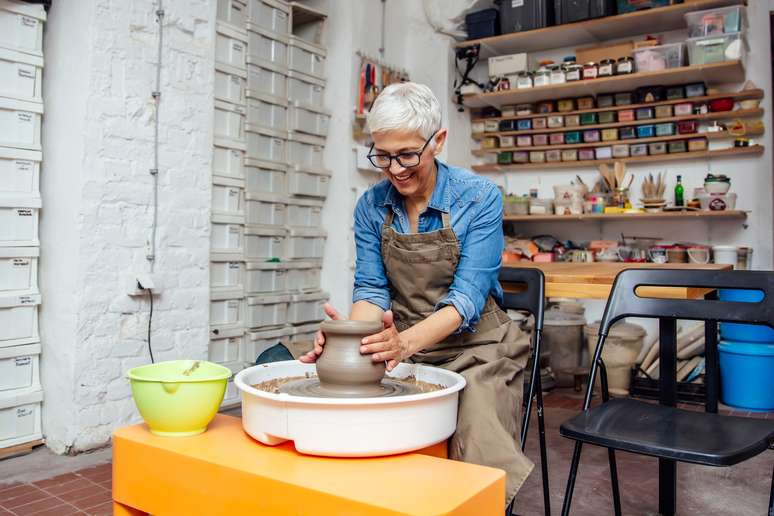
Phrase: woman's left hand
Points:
(388, 345)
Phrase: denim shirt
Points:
(476, 211)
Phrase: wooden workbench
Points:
(595, 280)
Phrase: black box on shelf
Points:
(569, 11)
(482, 24)
(521, 15)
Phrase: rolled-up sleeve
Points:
(371, 282)
(480, 261)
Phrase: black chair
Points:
(664, 431)
(531, 298)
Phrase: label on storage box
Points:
(23, 166)
(21, 262)
(23, 212)
(23, 361)
(25, 71)
(24, 412)
(281, 15)
(233, 265)
(233, 192)
(234, 79)
(517, 3)
(233, 304)
(236, 153)
(234, 230)
(26, 21)
(26, 300)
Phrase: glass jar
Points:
(606, 68)
(573, 72)
(542, 77)
(557, 74)
(524, 80)
(590, 71)
(624, 66)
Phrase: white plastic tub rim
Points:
(349, 427)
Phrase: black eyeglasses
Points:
(404, 159)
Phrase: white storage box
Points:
(230, 46)
(231, 398)
(226, 236)
(307, 308)
(266, 145)
(256, 342)
(266, 209)
(224, 347)
(19, 367)
(302, 338)
(19, 222)
(20, 124)
(19, 270)
(308, 119)
(226, 309)
(21, 27)
(267, 111)
(267, 47)
(264, 78)
(265, 177)
(227, 274)
(19, 320)
(229, 121)
(305, 89)
(308, 23)
(304, 212)
(510, 64)
(264, 243)
(265, 277)
(306, 58)
(233, 12)
(19, 173)
(271, 15)
(267, 311)
(228, 159)
(20, 417)
(229, 85)
(310, 183)
(305, 150)
(305, 244)
(228, 195)
(303, 276)
(21, 76)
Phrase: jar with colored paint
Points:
(504, 158)
(524, 109)
(524, 141)
(586, 154)
(491, 126)
(627, 133)
(539, 123)
(556, 138)
(505, 125)
(677, 146)
(664, 111)
(572, 137)
(606, 117)
(477, 127)
(557, 74)
(698, 89)
(609, 134)
(573, 72)
(572, 120)
(665, 129)
(675, 92)
(657, 148)
(604, 101)
(524, 81)
(586, 103)
(621, 150)
(623, 99)
(687, 126)
(591, 136)
(521, 157)
(570, 155)
(566, 105)
(645, 113)
(626, 115)
(697, 144)
(606, 68)
(507, 141)
(539, 140)
(553, 156)
(684, 109)
(603, 152)
(524, 124)
(624, 66)
(489, 143)
(546, 106)
(588, 118)
(638, 149)
(646, 131)
(537, 157)
(555, 121)
(542, 77)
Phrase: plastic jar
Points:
(606, 68)
(625, 65)
(590, 71)
(573, 72)
(557, 74)
(542, 77)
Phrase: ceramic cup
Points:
(657, 254)
(342, 369)
(725, 254)
(698, 255)
(624, 253)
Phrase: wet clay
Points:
(310, 386)
(344, 371)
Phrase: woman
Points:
(429, 243)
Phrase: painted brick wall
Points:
(98, 148)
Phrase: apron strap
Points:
(389, 217)
(446, 218)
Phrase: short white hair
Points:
(406, 106)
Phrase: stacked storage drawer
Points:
(269, 184)
(21, 110)
(228, 306)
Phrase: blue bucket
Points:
(747, 375)
(744, 332)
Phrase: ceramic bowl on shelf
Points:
(717, 187)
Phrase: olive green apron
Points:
(420, 268)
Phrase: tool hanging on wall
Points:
(464, 84)
(373, 77)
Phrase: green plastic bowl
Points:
(178, 398)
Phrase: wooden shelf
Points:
(594, 217)
(753, 150)
(710, 136)
(754, 93)
(709, 117)
(593, 31)
(715, 73)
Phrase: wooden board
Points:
(19, 449)
(715, 73)
(595, 280)
(662, 215)
(753, 150)
(593, 31)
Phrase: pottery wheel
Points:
(311, 387)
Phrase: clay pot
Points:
(341, 368)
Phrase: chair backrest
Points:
(531, 297)
(624, 301)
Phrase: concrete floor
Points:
(740, 490)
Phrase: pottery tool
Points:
(620, 173)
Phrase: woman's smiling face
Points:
(416, 181)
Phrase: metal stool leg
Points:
(610, 451)
(571, 479)
(771, 496)
(533, 383)
(543, 450)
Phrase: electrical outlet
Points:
(138, 284)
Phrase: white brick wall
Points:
(97, 192)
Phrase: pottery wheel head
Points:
(311, 387)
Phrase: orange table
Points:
(224, 471)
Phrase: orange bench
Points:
(224, 471)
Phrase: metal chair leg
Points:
(543, 448)
(610, 451)
(771, 496)
(571, 479)
(533, 383)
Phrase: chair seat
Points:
(671, 433)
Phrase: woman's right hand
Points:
(319, 338)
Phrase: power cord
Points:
(150, 320)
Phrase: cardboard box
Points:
(501, 66)
(598, 53)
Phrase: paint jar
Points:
(539, 123)
(553, 156)
(524, 109)
(606, 68)
(590, 71)
(572, 120)
(638, 149)
(546, 106)
(524, 141)
(604, 101)
(684, 109)
(539, 140)
(623, 99)
(603, 152)
(687, 126)
(524, 124)
(585, 103)
(556, 138)
(675, 92)
(508, 111)
(645, 113)
(520, 157)
(477, 127)
(573, 72)
(657, 148)
(524, 80)
(566, 105)
(555, 121)
(624, 66)
(572, 137)
(646, 131)
(588, 118)
(677, 146)
(606, 117)
(695, 90)
(591, 136)
(627, 133)
(570, 155)
(491, 126)
(609, 134)
(506, 125)
(557, 74)
(542, 77)
(537, 157)
(586, 154)
(507, 141)
(664, 111)
(621, 150)
(626, 115)
(697, 144)
(666, 129)
(489, 143)
(504, 158)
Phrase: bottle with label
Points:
(679, 192)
